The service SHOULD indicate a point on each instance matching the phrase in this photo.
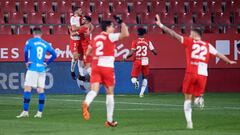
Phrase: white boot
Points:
(189, 125)
(23, 114)
(38, 115)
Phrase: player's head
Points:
(238, 46)
(107, 26)
(196, 33)
(141, 31)
(87, 19)
(37, 31)
(77, 10)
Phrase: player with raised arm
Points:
(103, 67)
(36, 73)
(197, 56)
(75, 43)
(140, 49)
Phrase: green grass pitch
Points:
(155, 114)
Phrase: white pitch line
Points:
(143, 104)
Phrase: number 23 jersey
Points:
(197, 55)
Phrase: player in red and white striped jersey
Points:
(140, 50)
(102, 48)
(197, 56)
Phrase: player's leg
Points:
(81, 75)
(188, 84)
(136, 69)
(95, 85)
(199, 91)
(74, 49)
(109, 82)
(145, 72)
(41, 94)
(30, 81)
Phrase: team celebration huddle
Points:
(94, 57)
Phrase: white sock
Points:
(80, 68)
(110, 107)
(144, 85)
(90, 96)
(188, 110)
(133, 80)
(73, 65)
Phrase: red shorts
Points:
(75, 47)
(88, 59)
(194, 84)
(103, 75)
(138, 68)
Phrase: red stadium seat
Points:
(232, 30)
(53, 18)
(24, 30)
(184, 19)
(167, 19)
(60, 29)
(45, 30)
(129, 18)
(198, 6)
(148, 19)
(8, 6)
(222, 18)
(95, 18)
(45, 6)
(27, 6)
(159, 6)
(235, 6)
(16, 18)
(1, 19)
(120, 7)
(237, 18)
(35, 18)
(204, 19)
(100, 7)
(140, 7)
(7, 30)
(63, 6)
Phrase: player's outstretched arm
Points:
(225, 59)
(124, 31)
(167, 30)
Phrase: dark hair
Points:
(37, 30)
(105, 24)
(238, 45)
(88, 18)
(198, 31)
(141, 31)
(74, 9)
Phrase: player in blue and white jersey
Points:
(34, 55)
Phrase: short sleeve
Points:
(212, 50)
(151, 47)
(186, 41)
(133, 47)
(114, 37)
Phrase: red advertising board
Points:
(170, 53)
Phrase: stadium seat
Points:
(204, 19)
(24, 30)
(167, 18)
(95, 18)
(97, 29)
(53, 18)
(45, 30)
(232, 30)
(16, 18)
(60, 29)
(45, 6)
(129, 18)
(186, 19)
(222, 18)
(237, 18)
(100, 6)
(235, 6)
(140, 7)
(62, 6)
(27, 6)
(1, 19)
(159, 6)
(120, 7)
(8, 6)
(179, 7)
(148, 19)
(35, 18)
(7, 30)
(198, 7)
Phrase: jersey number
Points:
(141, 51)
(199, 52)
(99, 50)
(39, 52)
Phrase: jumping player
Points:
(197, 56)
(140, 49)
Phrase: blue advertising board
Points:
(58, 80)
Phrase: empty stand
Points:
(27, 6)
(15, 18)
(60, 29)
(24, 30)
(53, 18)
(35, 18)
(7, 30)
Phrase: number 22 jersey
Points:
(197, 55)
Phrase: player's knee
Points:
(40, 90)
(134, 79)
(145, 82)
